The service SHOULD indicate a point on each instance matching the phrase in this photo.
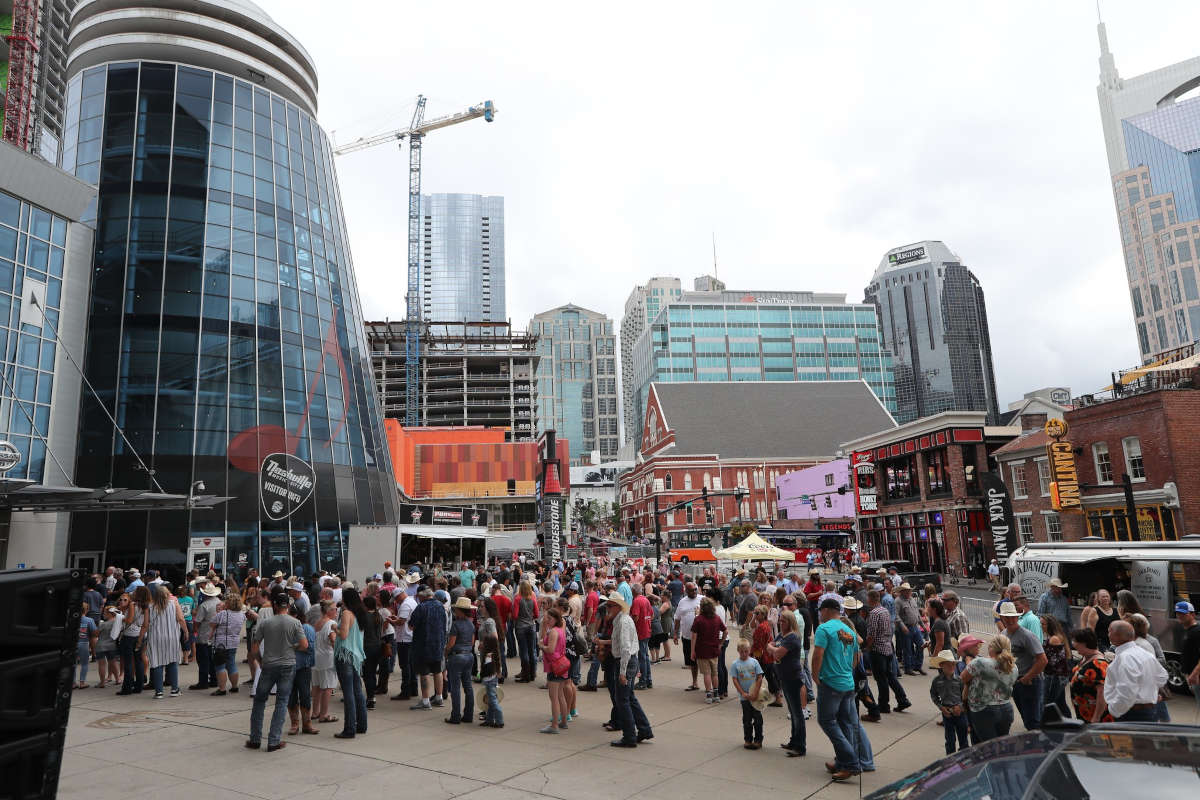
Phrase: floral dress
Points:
(1087, 682)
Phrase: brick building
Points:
(724, 435)
(1153, 436)
(918, 490)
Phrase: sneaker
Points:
(572, 715)
(708, 698)
(175, 693)
(421, 705)
(716, 698)
(158, 695)
(549, 729)
(437, 702)
(807, 713)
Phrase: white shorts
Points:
(325, 678)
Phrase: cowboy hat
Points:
(210, 589)
(413, 577)
(764, 697)
(616, 597)
(463, 604)
(851, 604)
(1058, 582)
(481, 700)
(277, 574)
(905, 585)
(968, 641)
(946, 656)
(1007, 609)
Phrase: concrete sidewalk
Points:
(192, 746)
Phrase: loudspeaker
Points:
(39, 629)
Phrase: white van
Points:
(1158, 573)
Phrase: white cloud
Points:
(810, 136)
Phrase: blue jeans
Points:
(752, 723)
(593, 672)
(955, 726)
(226, 663)
(881, 669)
(630, 716)
(1139, 715)
(493, 714)
(791, 694)
(301, 694)
(459, 667)
(644, 661)
(576, 669)
(133, 672)
(204, 661)
(354, 698)
(838, 717)
(280, 677)
(992, 722)
(527, 646)
(722, 671)
(1029, 702)
(83, 653)
(914, 653)
(156, 676)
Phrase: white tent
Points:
(755, 548)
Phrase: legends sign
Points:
(286, 483)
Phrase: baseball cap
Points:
(1184, 607)
(829, 602)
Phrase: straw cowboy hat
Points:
(1007, 609)
(463, 603)
(851, 604)
(481, 700)
(944, 657)
(764, 697)
(616, 597)
(210, 589)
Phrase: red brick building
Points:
(731, 434)
(1153, 436)
(919, 490)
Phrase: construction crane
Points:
(415, 133)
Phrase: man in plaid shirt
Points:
(879, 647)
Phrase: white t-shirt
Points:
(324, 654)
(403, 633)
(685, 612)
(993, 570)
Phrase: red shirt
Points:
(642, 613)
(706, 636)
(590, 605)
(503, 608)
(812, 591)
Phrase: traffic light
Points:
(843, 489)
(708, 509)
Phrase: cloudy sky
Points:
(810, 137)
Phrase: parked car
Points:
(905, 570)
(1063, 760)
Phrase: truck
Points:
(1159, 573)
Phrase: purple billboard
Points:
(817, 486)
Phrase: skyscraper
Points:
(641, 307)
(577, 379)
(462, 258)
(1153, 145)
(934, 324)
(759, 336)
(224, 329)
(33, 59)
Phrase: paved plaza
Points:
(192, 747)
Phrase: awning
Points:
(24, 495)
(1087, 552)
(1190, 362)
(755, 548)
(1135, 374)
(448, 532)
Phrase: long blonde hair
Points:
(1000, 649)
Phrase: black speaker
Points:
(39, 629)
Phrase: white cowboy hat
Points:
(212, 590)
(481, 700)
(764, 697)
(944, 657)
(1008, 610)
(1058, 582)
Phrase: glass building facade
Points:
(224, 321)
(32, 249)
(577, 379)
(462, 258)
(934, 324)
(761, 336)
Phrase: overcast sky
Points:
(809, 136)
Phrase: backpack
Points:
(576, 643)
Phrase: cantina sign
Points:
(1063, 474)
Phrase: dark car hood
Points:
(1121, 762)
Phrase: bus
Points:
(694, 545)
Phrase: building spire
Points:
(1109, 77)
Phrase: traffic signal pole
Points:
(705, 495)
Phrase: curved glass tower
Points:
(224, 329)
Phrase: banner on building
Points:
(865, 496)
(285, 483)
(998, 505)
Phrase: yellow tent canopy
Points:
(755, 548)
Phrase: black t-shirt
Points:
(808, 627)
(790, 667)
(935, 626)
(1191, 650)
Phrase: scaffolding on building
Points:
(22, 74)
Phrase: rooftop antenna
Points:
(714, 241)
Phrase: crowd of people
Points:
(433, 634)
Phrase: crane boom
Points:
(415, 133)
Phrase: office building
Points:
(1153, 144)
(45, 265)
(577, 379)
(33, 77)
(225, 332)
(760, 336)
(642, 305)
(472, 374)
(934, 324)
(462, 258)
